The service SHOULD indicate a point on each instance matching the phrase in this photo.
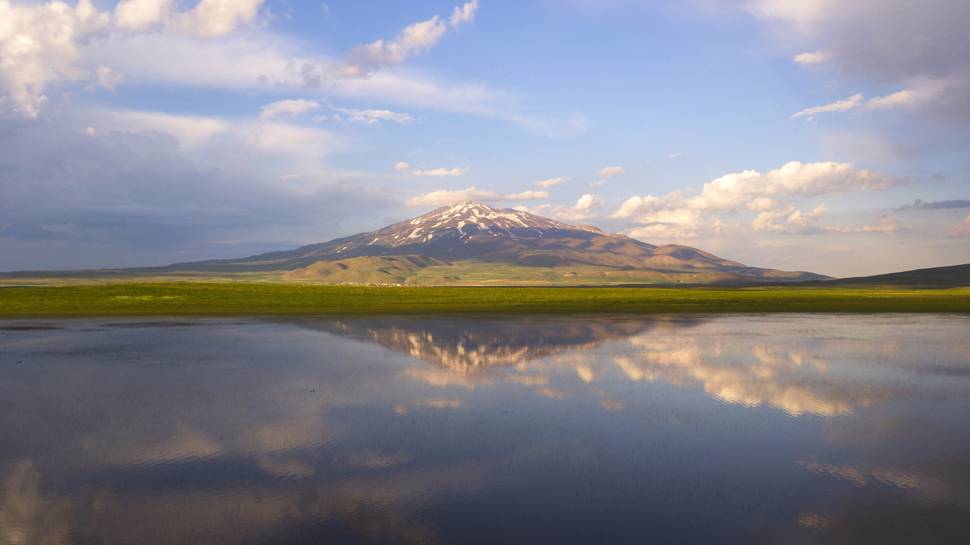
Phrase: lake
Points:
(796, 429)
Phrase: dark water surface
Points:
(797, 429)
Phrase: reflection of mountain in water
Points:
(761, 367)
(471, 345)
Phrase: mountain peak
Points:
(473, 215)
(470, 206)
(469, 211)
(464, 222)
(465, 209)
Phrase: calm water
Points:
(734, 429)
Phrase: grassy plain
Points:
(268, 299)
(393, 271)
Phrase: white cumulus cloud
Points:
(769, 194)
(141, 14)
(39, 45)
(208, 18)
(217, 17)
(44, 43)
(788, 220)
(588, 202)
(587, 207)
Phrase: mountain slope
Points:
(475, 243)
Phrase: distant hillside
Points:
(936, 277)
(474, 244)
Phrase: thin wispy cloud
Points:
(444, 197)
(374, 116)
(609, 172)
(414, 39)
(843, 105)
(440, 172)
(605, 174)
(904, 98)
(288, 108)
(920, 204)
(551, 182)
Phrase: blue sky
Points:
(781, 133)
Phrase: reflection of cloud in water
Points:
(26, 516)
(749, 375)
(923, 486)
(287, 469)
(814, 521)
(183, 444)
(436, 376)
(438, 403)
(371, 505)
(377, 460)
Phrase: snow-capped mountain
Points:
(475, 243)
(466, 220)
(467, 230)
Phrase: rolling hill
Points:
(936, 277)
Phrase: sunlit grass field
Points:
(268, 299)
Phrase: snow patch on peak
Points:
(469, 208)
(468, 220)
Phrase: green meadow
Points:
(271, 299)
